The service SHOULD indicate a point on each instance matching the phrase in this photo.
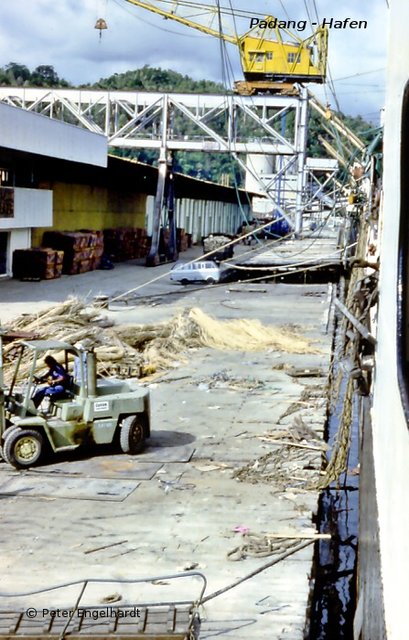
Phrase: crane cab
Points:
(266, 59)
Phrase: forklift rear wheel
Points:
(132, 435)
(23, 448)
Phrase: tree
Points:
(16, 73)
(45, 75)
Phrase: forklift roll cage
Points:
(39, 347)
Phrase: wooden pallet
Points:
(123, 623)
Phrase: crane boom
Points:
(268, 61)
(188, 22)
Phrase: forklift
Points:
(89, 411)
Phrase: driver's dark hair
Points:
(50, 361)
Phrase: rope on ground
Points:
(269, 564)
(257, 546)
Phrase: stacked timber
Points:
(119, 244)
(143, 243)
(82, 249)
(37, 264)
(96, 244)
(126, 243)
(181, 239)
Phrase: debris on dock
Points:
(138, 350)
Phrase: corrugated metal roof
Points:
(31, 132)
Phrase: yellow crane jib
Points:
(270, 54)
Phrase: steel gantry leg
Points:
(163, 214)
(164, 199)
(302, 126)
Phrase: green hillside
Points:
(155, 79)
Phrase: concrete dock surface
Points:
(319, 249)
(235, 438)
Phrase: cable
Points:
(363, 73)
(312, 262)
(284, 9)
(227, 75)
(308, 15)
(156, 26)
(350, 93)
(225, 61)
(228, 72)
(316, 11)
(206, 8)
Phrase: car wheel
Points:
(184, 281)
(22, 448)
(132, 435)
(210, 281)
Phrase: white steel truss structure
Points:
(136, 119)
(234, 124)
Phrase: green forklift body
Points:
(92, 410)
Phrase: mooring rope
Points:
(348, 350)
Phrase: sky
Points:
(62, 34)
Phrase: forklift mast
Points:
(2, 416)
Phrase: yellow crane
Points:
(270, 63)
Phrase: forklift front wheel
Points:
(23, 448)
(132, 435)
(6, 433)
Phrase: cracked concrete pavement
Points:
(177, 506)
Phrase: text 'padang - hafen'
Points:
(301, 25)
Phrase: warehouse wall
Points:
(20, 210)
(202, 217)
(81, 206)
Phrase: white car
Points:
(185, 272)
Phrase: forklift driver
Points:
(57, 379)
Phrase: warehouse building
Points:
(57, 176)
